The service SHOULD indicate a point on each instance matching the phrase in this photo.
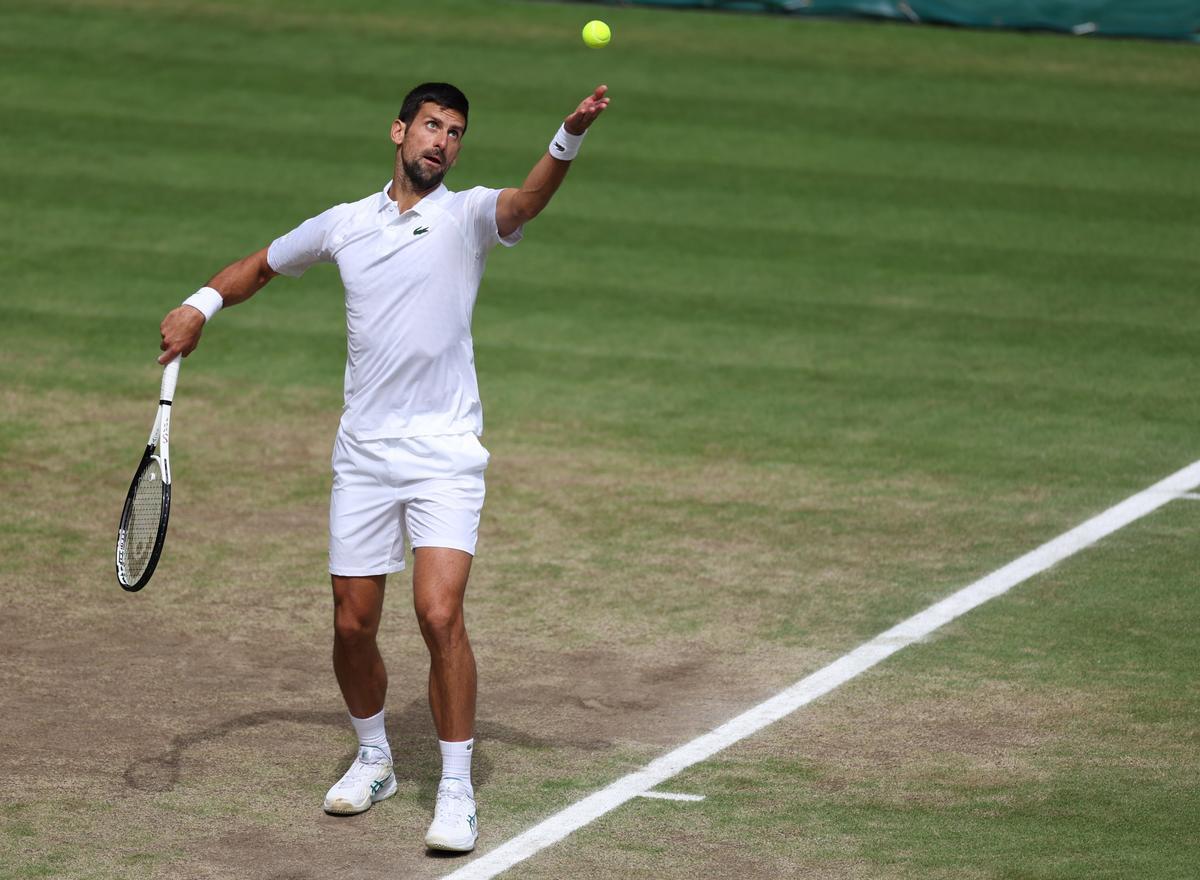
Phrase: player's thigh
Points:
(440, 577)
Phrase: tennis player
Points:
(407, 460)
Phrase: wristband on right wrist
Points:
(207, 300)
(565, 145)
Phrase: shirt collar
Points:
(432, 198)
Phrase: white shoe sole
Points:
(447, 845)
(343, 807)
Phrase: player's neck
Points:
(404, 194)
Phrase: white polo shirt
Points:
(411, 281)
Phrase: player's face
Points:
(429, 144)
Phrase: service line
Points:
(821, 682)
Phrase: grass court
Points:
(829, 319)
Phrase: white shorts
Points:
(429, 487)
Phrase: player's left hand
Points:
(587, 111)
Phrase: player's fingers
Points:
(594, 97)
(171, 348)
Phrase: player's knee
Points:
(352, 628)
(441, 623)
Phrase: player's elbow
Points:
(262, 269)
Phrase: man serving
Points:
(407, 457)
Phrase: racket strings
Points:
(141, 532)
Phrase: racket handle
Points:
(170, 376)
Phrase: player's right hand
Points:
(180, 331)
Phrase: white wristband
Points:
(565, 145)
(207, 300)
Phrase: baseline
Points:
(848, 666)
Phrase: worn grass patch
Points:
(850, 345)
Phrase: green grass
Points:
(828, 320)
(1050, 735)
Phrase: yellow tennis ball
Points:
(596, 34)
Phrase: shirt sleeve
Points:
(309, 243)
(481, 208)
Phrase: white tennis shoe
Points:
(455, 826)
(369, 779)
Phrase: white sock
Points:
(456, 760)
(371, 732)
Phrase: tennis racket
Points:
(148, 505)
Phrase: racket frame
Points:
(160, 438)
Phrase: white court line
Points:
(821, 682)
(671, 796)
(1191, 496)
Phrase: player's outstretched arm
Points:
(518, 206)
(236, 283)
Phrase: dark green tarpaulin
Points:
(1173, 19)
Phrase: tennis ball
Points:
(596, 34)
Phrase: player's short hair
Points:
(442, 94)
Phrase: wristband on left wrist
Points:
(565, 145)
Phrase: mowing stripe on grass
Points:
(640, 782)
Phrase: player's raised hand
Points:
(587, 111)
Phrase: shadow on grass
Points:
(410, 731)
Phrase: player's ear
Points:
(397, 132)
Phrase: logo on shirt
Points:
(420, 230)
